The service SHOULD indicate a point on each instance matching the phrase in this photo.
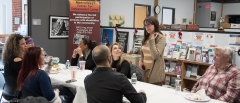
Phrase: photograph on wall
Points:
(116, 19)
(78, 37)
(198, 39)
(59, 27)
(122, 39)
(137, 42)
(184, 20)
(107, 36)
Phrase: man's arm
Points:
(130, 93)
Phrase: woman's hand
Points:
(140, 64)
(79, 51)
(154, 36)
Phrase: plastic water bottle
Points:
(134, 78)
(67, 64)
(178, 84)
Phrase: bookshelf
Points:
(187, 82)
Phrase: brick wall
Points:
(16, 12)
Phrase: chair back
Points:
(135, 69)
(10, 86)
(27, 92)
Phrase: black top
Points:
(90, 64)
(12, 68)
(107, 86)
(124, 68)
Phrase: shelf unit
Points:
(188, 82)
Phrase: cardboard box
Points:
(226, 25)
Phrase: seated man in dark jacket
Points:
(107, 86)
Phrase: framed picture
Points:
(58, 27)
(213, 15)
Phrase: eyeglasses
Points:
(147, 25)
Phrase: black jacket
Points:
(124, 68)
(107, 86)
(90, 64)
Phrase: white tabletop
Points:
(154, 93)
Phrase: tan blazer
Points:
(157, 72)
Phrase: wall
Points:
(121, 7)
(231, 8)
(216, 7)
(183, 8)
(6, 17)
(41, 9)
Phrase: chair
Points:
(27, 92)
(135, 69)
(9, 87)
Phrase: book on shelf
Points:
(191, 54)
(173, 81)
(178, 68)
(167, 66)
(205, 56)
(183, 53)
(176, 54)
(169, 55)
(211, 56)
(198, 54)
(166, 49)
(189, 71)
(194, 71)
(172, 67)
(167, 80)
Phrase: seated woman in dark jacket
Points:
(84, 52)
(118, 63)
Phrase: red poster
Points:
(84, 21)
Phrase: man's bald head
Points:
(100, 55)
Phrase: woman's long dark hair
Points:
(30, 66)
(90, 44)
(153, 21)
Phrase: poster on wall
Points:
(122, 39)
(107, 36)
(171, 37)
(84, 21)
(137, 42)
(209, 39)
(187, 37)
(198, 39)
(78, 37)
(234, 40)
(116, 19)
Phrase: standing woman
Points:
(84, 52)
(13, 53)
(152, 61)
(118, 63)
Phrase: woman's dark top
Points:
(124, 68)
(90, 64)
(12, 68)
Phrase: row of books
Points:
(173, 67)
(187, 51)
(170, 80)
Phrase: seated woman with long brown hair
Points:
(33, 78)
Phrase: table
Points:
(155, 94)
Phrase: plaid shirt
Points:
(223, 85)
